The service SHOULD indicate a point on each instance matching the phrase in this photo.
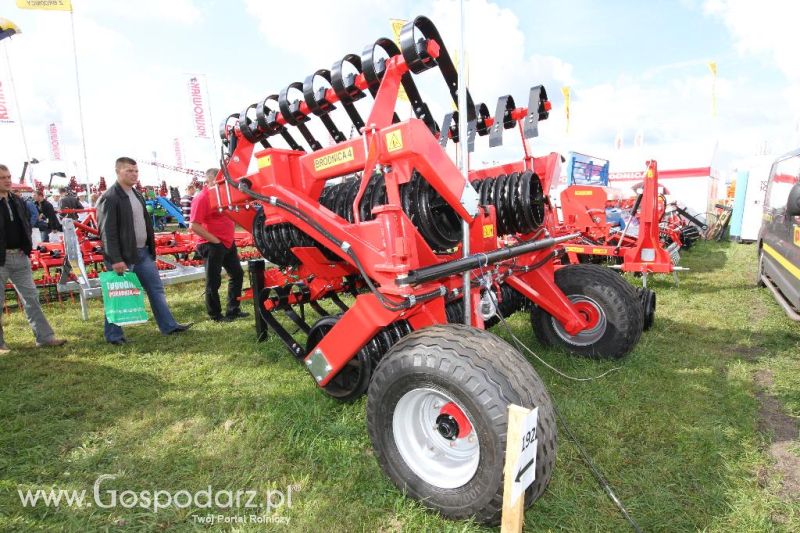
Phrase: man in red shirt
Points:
(218, 250)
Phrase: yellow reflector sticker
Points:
(333, 159)
(394, 141)
(785, 263)
(599, 251)
(264, 162)
(584, 193)
(575, 249)
(488, 231)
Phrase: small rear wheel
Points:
(760, 274)
(437, 415)
(609, 304)
(647, 297)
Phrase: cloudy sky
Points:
(633, 67)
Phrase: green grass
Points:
(674, 430)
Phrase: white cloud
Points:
(317, 32)
(135, 104)
(129, 101)
(767, 28)
(185, 12)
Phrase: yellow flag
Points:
(49, 5)
(712, 66)
(565, 92)
(397, 26)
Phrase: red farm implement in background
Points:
(642, 235)
(378, 217)
(175, 253)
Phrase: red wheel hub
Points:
(589, 312)
(464, 427)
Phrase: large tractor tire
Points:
(610, 304)
(437, 415)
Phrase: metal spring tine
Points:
(319, 106)
(293, 116)
(373, 70)
(502, 120)
(339, 303)
(268, 116)
(318, 308)
(346, 90)
(418, 60)
(536, 112)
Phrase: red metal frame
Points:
(583, 209)
(390, 246)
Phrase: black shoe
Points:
(238, 314)
(220, 318)
(180, 328)
(118, 342)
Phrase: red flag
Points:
(5, 116)
(55, 144)
(198, 108)
(178, 153)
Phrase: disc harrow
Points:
(367, 233)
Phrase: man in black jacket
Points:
(69, 201)
(129, 243)
(15, 245)
(48, 221)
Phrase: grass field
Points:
(697, 430)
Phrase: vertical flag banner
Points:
(638, 140)
(66, 5)
(5, 114)
(712, 66)
(397, 26)
(618, 140)
(198, 107)
(565, 92)
(55, 144)
(178, 153)
(48, 5)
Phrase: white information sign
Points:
(524, 471)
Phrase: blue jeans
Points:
(145, 269)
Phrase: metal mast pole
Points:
(464, 155)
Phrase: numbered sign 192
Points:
(525, 470)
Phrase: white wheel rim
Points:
(586, 337)
(437, 460)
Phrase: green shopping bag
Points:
(123, 298)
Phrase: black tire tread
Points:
(624, 301)
(477, 359)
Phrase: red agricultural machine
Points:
(48, 259)
(659, 231)
(643, 235)
(379, 216)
